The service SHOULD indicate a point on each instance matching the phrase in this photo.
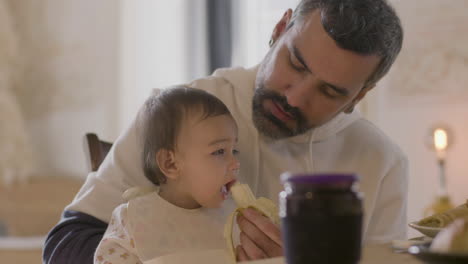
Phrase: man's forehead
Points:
(325, 58)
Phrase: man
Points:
(295, 113)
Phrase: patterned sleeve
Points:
(117, 246)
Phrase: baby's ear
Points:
(167, 163)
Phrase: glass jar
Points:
(321, 218)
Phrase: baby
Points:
(189, 152)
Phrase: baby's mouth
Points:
(227, 187)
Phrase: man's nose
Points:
(300, 93)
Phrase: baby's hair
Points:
(161, 121)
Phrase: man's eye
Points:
(218, 152)
(330, 92)
(296, 67)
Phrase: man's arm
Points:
(74, 239)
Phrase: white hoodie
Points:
(348, 143)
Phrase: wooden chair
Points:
(95, 150)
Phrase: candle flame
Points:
(440, 139)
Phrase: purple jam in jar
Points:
(321, 218)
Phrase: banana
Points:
(244, 198)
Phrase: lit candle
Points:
(440, 142)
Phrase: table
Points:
(379, 254)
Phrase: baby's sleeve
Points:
(117, 246)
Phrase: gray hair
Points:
(161, 119)
(366, 27)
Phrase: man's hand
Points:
(259, 237)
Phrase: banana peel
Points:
(244, 198)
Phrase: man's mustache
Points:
(283, 102)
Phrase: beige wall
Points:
(427, 86)
(70, 54)
(157, 49)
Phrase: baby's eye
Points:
(218, 152)
(235, 152)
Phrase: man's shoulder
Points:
(232, 71)
(227, 80)
(225, 83)
(367, 134)
(216, 85)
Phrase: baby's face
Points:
(207, 151)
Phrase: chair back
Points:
(95, 150)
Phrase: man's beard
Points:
(269, 125)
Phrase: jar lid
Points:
(320, 179)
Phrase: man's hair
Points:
(161, 121)
(366, 27)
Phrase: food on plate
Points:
(444, 219)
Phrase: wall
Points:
(163, 43)
(16, 159)
(91, 64)
(428, 86)
(252, 27)
(154, 37)
(70, 55)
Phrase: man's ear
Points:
(280, 27)
(358, 98)
(363, 92)
(167, 163)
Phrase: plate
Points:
(423, 253)
(425, 230)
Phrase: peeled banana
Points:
(244, 198)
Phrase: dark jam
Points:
(321, 218)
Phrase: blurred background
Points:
(69, 67)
